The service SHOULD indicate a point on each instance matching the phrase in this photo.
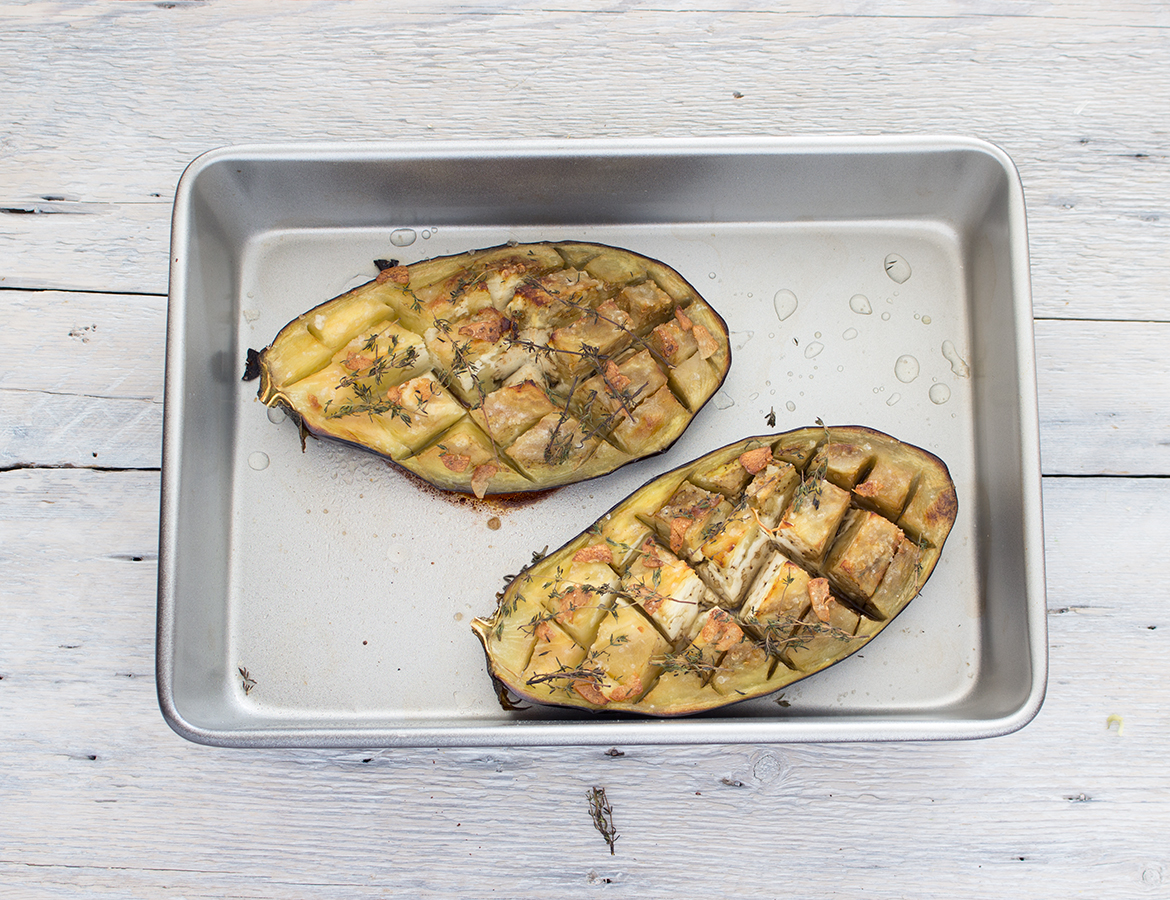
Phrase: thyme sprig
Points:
(600, 363)
(559, 446)
(461, 361)
(366, 401)
(508, 605)
(588, 670)
(646, 595)
(922, 543)
(365, 382)
(602, 814)
(791, 633)
(557, 452)
(596, 316)
(604, 423)
(691, 661)
(576, 673)
(812, 482)
(555, 595)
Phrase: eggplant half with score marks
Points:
(729, 578)
(511, 369)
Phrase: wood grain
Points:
(103, 104)
(142, 88)
(82, 382)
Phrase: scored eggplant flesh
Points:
(511, 369)
(729, 578)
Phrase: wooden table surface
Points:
(103, 104)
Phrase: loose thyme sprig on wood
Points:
(602, 814)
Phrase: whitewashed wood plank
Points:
(1104, 397)
(1069, 95)
(1069, 804)
(103, 345)
(1151, 13)
(82, 379)
(38, 429)
(99, 246)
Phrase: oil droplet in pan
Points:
(785, 304)
(860, 304)
(402, 237)
(906, 369)
(276, 415)
(258, 461)
(850, 334)
(893, 398)
(723, 401)
(939, 394)
(897, 268)
(813, 349)
(790, 406)
(958, 366)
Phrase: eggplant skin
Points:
(729, 578)
(505, 370)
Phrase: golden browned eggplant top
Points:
(729, 578)
(514, 368)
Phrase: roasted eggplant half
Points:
(510, 369)
(729, 578)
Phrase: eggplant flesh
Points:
(728, 578)
(510, 369)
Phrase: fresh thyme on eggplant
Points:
(510, 369)
(729, 578)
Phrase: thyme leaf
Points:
(247, 681)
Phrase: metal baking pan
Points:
(320, 598)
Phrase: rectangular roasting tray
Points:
(323, 599)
